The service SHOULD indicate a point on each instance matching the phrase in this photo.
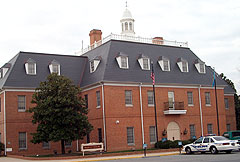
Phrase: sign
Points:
(8, 149)
(91, 147)
(179, 143)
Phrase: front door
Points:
(173, 131)
(171, 100)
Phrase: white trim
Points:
(175, 112)
(129, 105)
(228, 94)
(4, 123)
(104, 122)
(200, 109)
(141, 108)
(87, 89)
(19, 90)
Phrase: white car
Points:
(212, 144)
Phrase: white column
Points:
(200, 108)
(104, 122)
(140, 95)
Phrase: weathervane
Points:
(126, 4)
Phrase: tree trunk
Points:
(63, 146)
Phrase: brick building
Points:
(114, 74)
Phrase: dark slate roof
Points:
(108, 69)
(71, 67)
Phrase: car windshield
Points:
(220, 138)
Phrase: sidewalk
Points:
(88, 159)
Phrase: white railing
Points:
(133, 39)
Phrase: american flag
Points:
(153, 76)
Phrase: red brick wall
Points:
(230, 113)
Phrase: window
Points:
(192, 131)
(152, 134)
(21, 103)
(128, 97)
(150, 98)
(202, 69)
(54, 67)
(88, 138)
(22, 140)
(206, 140)
(166, 65)
(130, 135)
(126, 26)
(184, 66)
(228, 128)
(92, 66)
(226, 103)
(30, 67)
(199, 140)
(86, 100)
(98, 99)
(94, 63)
(130, 26)
(145, 63)
(124, 62)
(46, 145)
(68, 143)
(207, 98)
(210, 129)
(99, 134)
(190, 98)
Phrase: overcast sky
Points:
(211, 27)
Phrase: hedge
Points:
(172, 144)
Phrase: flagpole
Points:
(216, 106)
(154, 100)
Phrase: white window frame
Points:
(181, 66)
(27, 68)
(162, 62)
(210, 128)
(54, 63)
(119, 61)
(142, 62)
(201, 68)
(93, 65)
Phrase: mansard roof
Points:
(71, 67)
(108, 70)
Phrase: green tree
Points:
(60, 113)
(236, 100)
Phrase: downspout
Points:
(104, 122)
(141, 108)
(77, 146)
(4, 125)
(200, 108)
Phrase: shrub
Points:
(1, 147)
(172, 144)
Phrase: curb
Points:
(130, 157)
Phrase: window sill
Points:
(208, 105)
(190, 105)
(21, 110)
(227, 108)
(150, 105)
(131, 144)
(98, 107)
(22, 149)
(129, 105)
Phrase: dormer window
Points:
(200, 66)
(54, 67)
(122, 60)
(144, 62)
(4, 70)
(94, 64)
(164, 63)
(183, 65)
(31, 67)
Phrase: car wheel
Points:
(213, 150)
(228, 151)
(188, 150)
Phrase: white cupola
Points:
(127, 23)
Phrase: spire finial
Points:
(126, 4)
